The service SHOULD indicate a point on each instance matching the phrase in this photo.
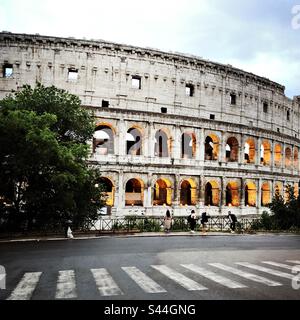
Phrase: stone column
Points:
(258, 151)
(176, 193)
(242, 150)
(222, 148)
(224, 185)
(272, 154)
(176, 152)
(283, 156)
(199, 141)
(258, 193)
(148, 202)
(201, 190)
(242, 193)
(121, 145)
(201, 145)
(121, 192)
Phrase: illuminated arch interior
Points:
(108, 190)
(288, 157)
(250, 194)
(188, 192)
(211, 147)
(134, 192)
(212, 197)
(232, 194)
(265, 194)
(188, 146)
(277, 155)
(232, 149)
(265, 153)
(162, 148)
(249, 151)
(162, 192)
(134, 142)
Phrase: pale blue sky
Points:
(255, 35)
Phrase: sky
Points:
(259, 36)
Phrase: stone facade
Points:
(172, 131)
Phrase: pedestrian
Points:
(167, 221)
(233, 221)
(68, 231)
(192, 221)
(204, 220)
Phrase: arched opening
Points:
(211, 147)
(278, 188)
(288, 158)
(250, 194)
(265, 153)
(211, 197)
(162, 193)
(162, 144)
(265, 194)
(232, 150)
(188, 146)
(296, 159)
(277, 155)
(232, 195)
(134, 142)
(103, 140)
(108, 191)
(188, 193)
(249, 151)
(134, 191)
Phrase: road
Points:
(196, 267)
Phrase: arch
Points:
(162, 192)
(265, 153)
(232, 194)
(134, 192)
(211, 197)
(250, 194)
(296, 158)
(212, 147)
(103, 140)
(232, 149)
(296, 189)
(188, 146)
(249, 151)
(188, 192)
(265, 194)
(162, 148)
(278, 188)
(134, 142)
(288, 157)
(277, 155)
(108, 191)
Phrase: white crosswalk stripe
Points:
(179, 278)
(214, 276)
(276, 264)
(105, 283)
(267, 270)
(66, 286)
(146, 283)
(26, 286)
(246, 275)
(293, 261)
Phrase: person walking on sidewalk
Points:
(204, 220)
(192, 221)
(167, 221)
(233, 221)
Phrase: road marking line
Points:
(66, 285)
(26, 286)
(276, 264)
(214, 276)
(105, 283)
(146, 283)
(246, 275)
(182, 280)
(293, 261)
(267, 270)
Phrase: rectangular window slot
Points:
(72, 74)
(288, 115)
(212, 117)
(105, 104)
(7, 70)
(233, 99)
(189, 90)
(164, 110)
(265, 107)
(136, 82)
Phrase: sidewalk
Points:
(117, 235)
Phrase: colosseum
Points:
(172, 130)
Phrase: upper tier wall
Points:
(147, 80)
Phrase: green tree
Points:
(44, 173)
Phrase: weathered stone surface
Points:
(149, 90)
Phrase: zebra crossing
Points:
(66, 285)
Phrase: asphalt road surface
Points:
(153, 268)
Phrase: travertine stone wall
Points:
(150, 90)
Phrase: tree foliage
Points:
(44, 174)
